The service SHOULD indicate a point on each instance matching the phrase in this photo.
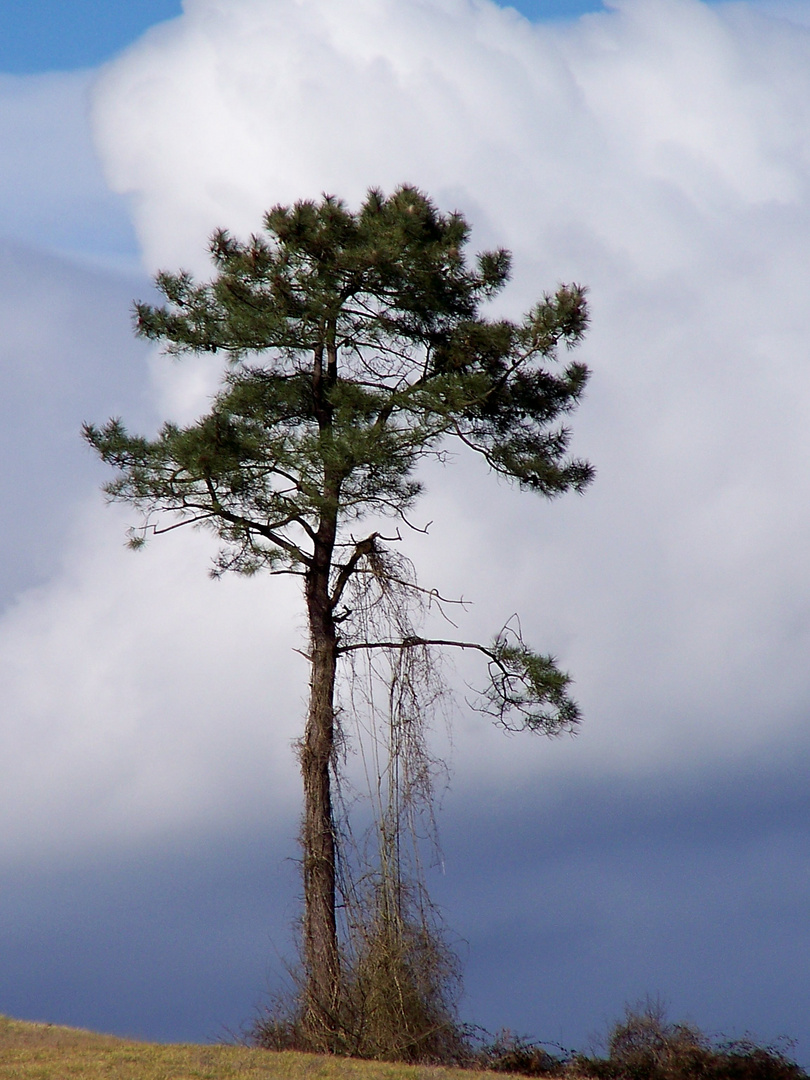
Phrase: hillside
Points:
(48, 1052)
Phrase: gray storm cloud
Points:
(658, 152)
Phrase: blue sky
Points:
(48, 35)
(659, 153)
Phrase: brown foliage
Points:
(646, 1046)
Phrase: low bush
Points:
(646, 1046)
(417, 1024)
(398, 1003)
(510, 1053)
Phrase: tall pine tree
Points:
(356, 348)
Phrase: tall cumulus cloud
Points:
(658, 153)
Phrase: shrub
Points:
(511, 1053)
(399, 984)
(646, 1046)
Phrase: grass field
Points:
(48, 1052)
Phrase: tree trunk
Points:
(321, 954)
(320, 944)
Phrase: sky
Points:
(657, 151)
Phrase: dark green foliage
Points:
(526, 689)
(356, 348)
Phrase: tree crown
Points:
(356, 347)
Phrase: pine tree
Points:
(355, 348)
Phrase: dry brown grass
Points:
(48, 1052)
(642, 1047)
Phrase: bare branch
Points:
(415, 643)
(361, 549)
(159, 530)
(521, 683)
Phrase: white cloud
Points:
(52, 192)
(658, 152)
(794, 11)
(138, 699)
(245, 103)
(66, 355)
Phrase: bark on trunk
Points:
(321, 956)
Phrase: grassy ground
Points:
(48, 1052)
